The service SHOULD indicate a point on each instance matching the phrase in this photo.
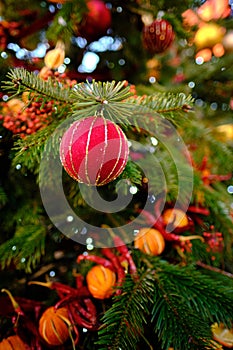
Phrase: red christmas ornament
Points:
(94, 151)
(96, 22)
(158, 36)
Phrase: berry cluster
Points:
(214, 240)
(27, 121)
(25, 117)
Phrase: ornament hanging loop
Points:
(100, 110)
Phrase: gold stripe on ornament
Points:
(87, 150)
(117, 161)
(104, 151)
(109, 175)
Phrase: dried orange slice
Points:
(223, 335)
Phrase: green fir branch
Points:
(132, 174)
(193, 302)
(102, 91)
(102, 98)
(72, 13)
(28, 150)
(109, 99)
(21, 80)
(123, 323)
(169, 105)
(25, 249)
(180, 303)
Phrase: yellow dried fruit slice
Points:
(223, 335)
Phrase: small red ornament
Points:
(158, 36)
(96, 22)
(94, 150)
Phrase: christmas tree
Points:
(116, 174)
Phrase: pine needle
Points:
(180, 304)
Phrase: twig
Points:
(215, 269)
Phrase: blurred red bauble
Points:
(158, 36)
(94, 151)
(96, 22)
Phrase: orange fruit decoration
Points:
(205, 54)
(208, 35)
(190, 18)
(14, 105)
(223, 335)
(100, 281)
(54, 58)
(214, 9)
(54, 326)
(176, 217)
(149, 241)
(218, 50)
(13, 343)
(226, 131)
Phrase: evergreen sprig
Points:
(25, 249)
(102, 98)
(72, 13)
(123, 323)
(104, 92)
(180, 303)
(193, 302)
(28, 150)
(21, 80)
(167, 105)
(110, 99)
